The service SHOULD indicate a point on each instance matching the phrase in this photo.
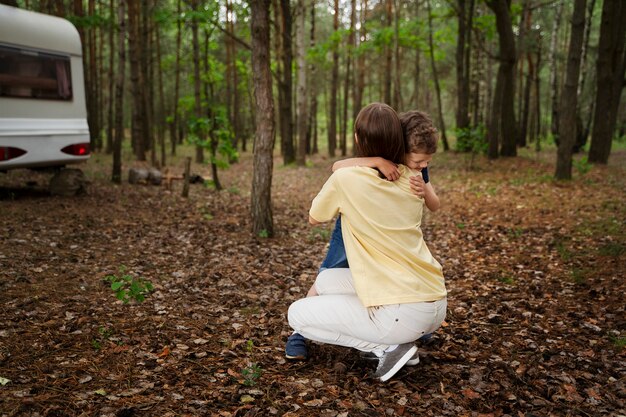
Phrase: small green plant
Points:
(506, 279)
(205, 213)
(618, 341)
(612, 249)
(460, 225)
(249, 346)
(251, 374)
(563, 251)
(515, 232)
(582, 165)
(264, 234)
(234, 190)
(103, 335)
(128, 288)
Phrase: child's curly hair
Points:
(420, 134)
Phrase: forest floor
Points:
(535, 269)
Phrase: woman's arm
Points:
(387, 168)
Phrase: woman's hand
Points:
(418, 186)
(388, 169)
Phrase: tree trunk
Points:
(610, 70)
(334, 84)
(210, 114)
(111, 104)
(197, 82)
(388, 56)
(261, 198)
(583, 133)
(359, 82)
(174, 126)
(567, 123)
(506, 76)
(462, 62)
(397, 82)
(346, 87)
(285, 86)
(312, 124)
(302, 97)
(524, 83)
(442, 125)
(135, 80)
(116, 176)
(161, 112)
(554, 82)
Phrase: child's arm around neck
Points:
(387, 168)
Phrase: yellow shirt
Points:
(380, 222)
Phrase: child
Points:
(420, 137)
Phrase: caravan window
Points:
(34, 74)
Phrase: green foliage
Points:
(264, 234)
(103, 335)
(460, 225)
(618, 341)
(128, 288)
(472, 139)
(506, 279)
(613, 249)
(582, 165)
(251, 374)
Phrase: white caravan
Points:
(43, 115)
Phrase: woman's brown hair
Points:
(379, 133)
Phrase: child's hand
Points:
(388, 169)
(417, 186)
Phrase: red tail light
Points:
(77, 149)
(8, 152)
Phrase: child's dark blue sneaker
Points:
(296, 347)
(426, 337)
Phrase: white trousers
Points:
(337, 316)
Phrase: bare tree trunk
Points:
(346, 88)
(506, 76)
(135, 80)
(111, 104)
(359, 82)
(210, 114)
(442, 124)
(610, 69)
(554, 83)
(397, 88)
(161, 112)
(463, 47)
(583, 133)
(261, 198)
(388, 56)
(334, 84)
(286, 84)
(116, 175)
(174, 126)
(567, 123)
(200, 132)
(312, 124)
(302, 97)
(147, 86)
